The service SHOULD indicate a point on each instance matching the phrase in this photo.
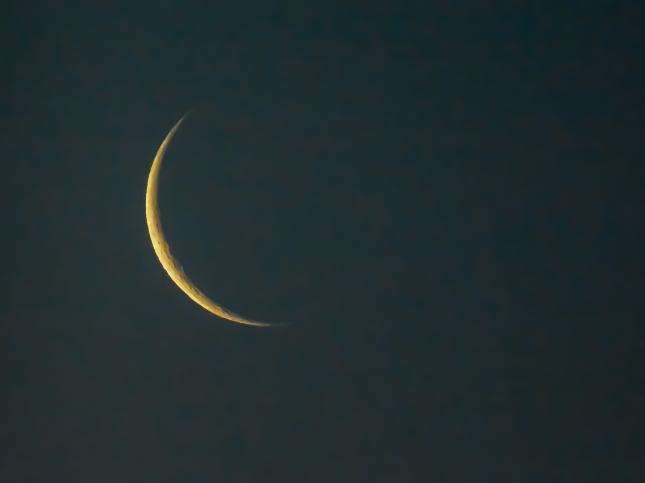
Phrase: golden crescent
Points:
(162, 248)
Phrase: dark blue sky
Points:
(445, 200)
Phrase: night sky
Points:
(444, 200)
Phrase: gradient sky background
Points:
(446, 201)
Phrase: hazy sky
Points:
(446, 201)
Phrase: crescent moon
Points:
(162, 248)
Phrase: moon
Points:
(162, 247)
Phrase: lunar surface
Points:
(162, 248)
